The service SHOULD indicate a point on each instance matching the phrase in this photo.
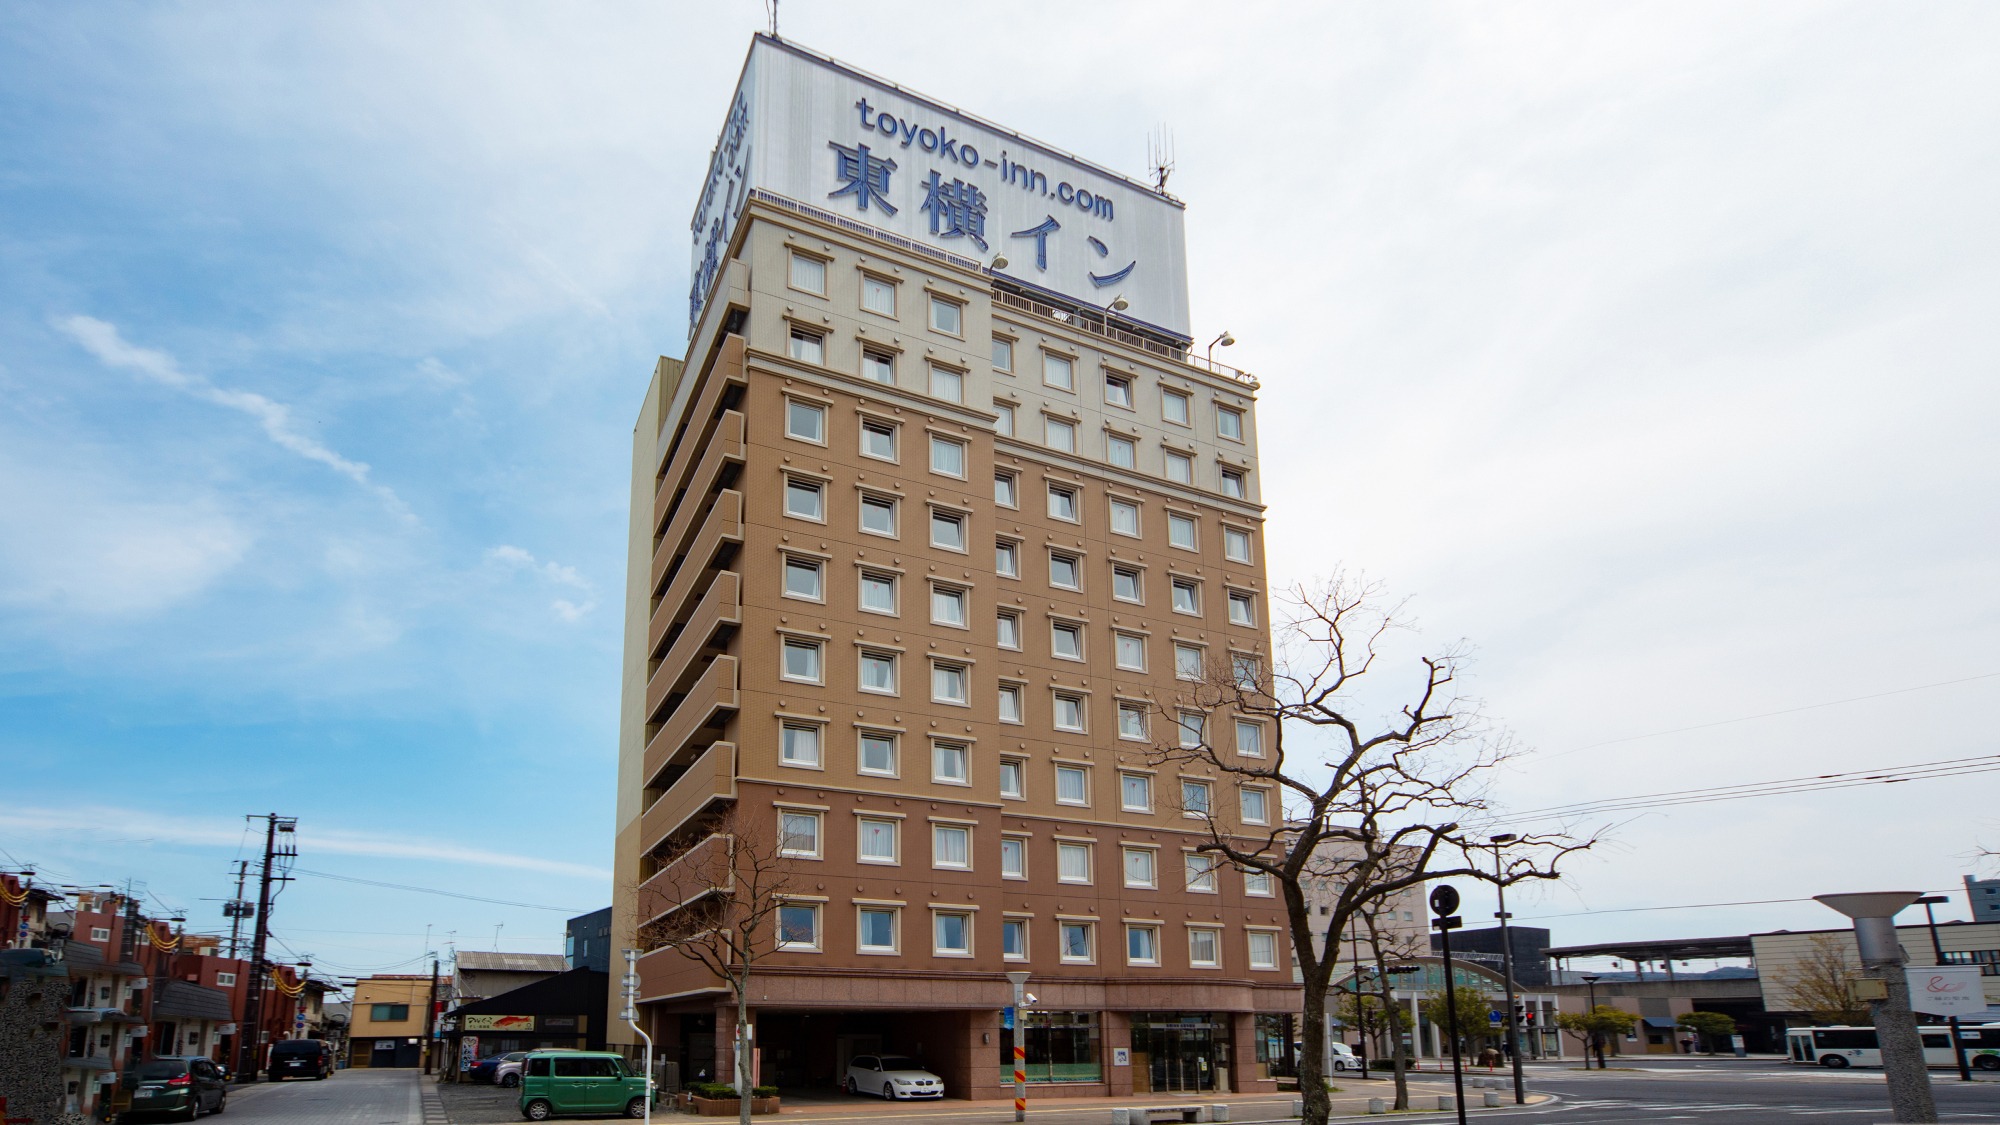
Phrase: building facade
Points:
(926, 550)
(387, 1023)
(587, 942)
(1983, 896)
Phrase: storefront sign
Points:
(499, 1023)
(1946, 990)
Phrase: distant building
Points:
(481, 976)
(1531, 965)
(1984, 895)
(388, 1020)
(587, 941)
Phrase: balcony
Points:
(720, 610)
(688, 716)
(725, 385)
(723, 451)
(688, 877)
(666, 972)
(722, 528)
(709, 779)
(671, 628)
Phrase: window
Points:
(1135, 792)
(1187, 596)
(1194, 798)
(878, 839)
(948, 683)
(954, 934)
(1193, 727)
(878, 515)
(798, 833)
(1069, 712)
(946, 315)
(1200, 872)
(1125, 584)
(1174, 406)
(1229, 423)
(1003, 354)
(878, 672)
(1072, 786)
(1122, 452)
(1014, 939)
(879, 366)
(1180, 467)
(1058, 434)
(1258, 885)
(951, 846)
(802, 660)
(1130, 651)
(808, 273)
(802, 578)
(1007, 559)
(947, 384)
(379, 1013)
(948, 605)
(1249, 738)
(1235, 544)
(1013, 857)
(878, 295)
(1263, 949)
(1062, 503)
(1181, 531)
(1203, 948)
(1125, 517)
(877, 929)
(1246, 670)
(1141, 867)
(1013, 778)
(1066, 640)
(1242, 608)
(878, 753)
(1058, 371)
(222, 980)
(1132, 721)
(798, 926)
(948, 762)
(805, 499)
(878, 440)
(1064, 571)
(1076, 942)
(1118, 390)
(1187, 661)
(1010, 703)
(1003, 418)
(1142, 945)
(808, 346)
(947, 530)
(1005, 492)
(1256, 806)
(1232, 484)
(799, 745)
(1072, 862)
(805, 421)
(878, 592)
(947, 456)
(1008, 628)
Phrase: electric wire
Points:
(1894, 775)
(435, 891)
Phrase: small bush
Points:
(711, 1090)
(763, 1091)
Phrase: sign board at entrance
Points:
(1946, 990)
(499, 1023)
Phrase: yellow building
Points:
(387, 1029)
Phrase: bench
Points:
(1147, 1114)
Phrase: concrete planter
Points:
(729, 1107)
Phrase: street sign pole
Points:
(630, 1015)
(1444, 900)
(1019, 980)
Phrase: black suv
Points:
(182, 1087)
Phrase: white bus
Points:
(1838, 1047)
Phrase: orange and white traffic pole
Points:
(1019, 980)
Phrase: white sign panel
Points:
(1946, 990)
(804, 127)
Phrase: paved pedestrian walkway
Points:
(350, 1097)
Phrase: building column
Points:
(1117, 1032)
(725, 1042)
(1243, 1055)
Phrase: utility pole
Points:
(249, 1051)
(237, 909)
(430, 1020)
(1507, 967)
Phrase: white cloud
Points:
(103, 340)
(553, 573)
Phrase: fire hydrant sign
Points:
(1946, 990)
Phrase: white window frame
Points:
(1054, 363)
(1256, 748)
(1185, 411)
(1176, 466)
(1121, 640)
(1145, 780)
(1222, 431)
(886, 286)
(816, 410)
(938, 949)
(1206, 788)
(1003, 418)
(1235, 483)
(1199, 872)
(222, 980)
(1012, 620)
(1054, 426)
(805, 562)
(1069, 849)
(1018, 846)
(952, 517)
(1247, 601)
(946, 594)
(1246, 795)
(1177, 583)
(1259, 884)
(867, 656)
(785, 836)
(1080, 772)
(1250, 944)
(895, 914)
(1178, 520)
(790, 644)
(1071, 629)
(818, 926)
(807, 486)
(818, 264)
(889, 578)
(1020, 954)
(806, 345)
(1010, 551)
(879, 428)
(1191, 722)
(1231, 536)
(878, 501)
(1214, 958)
(1138, 732)
(1111, 517)
(1113, 444)
(1076, 567)
(1018, 767)
(1124, 399)
(1058, 700)
(1010, 483)
(940, 442)
(861, 766)
(1152, 932)
(938, 302)
(964, 699)
(1070, 496)
(1138, 576)
(939, 833)
(1182, 649)
(1089, 929)
(1018, 694)
(878, 365)
(946, 383)
(786, 727)
(895, 856)
(963, 750)
(1000, 342)
(1152, 857)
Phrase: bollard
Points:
(1492, 1099)
(1378, 1105)
(1219, 1111)
(1121, 1117)
(1446, 1101)
(1298, 1107)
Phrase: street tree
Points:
(1468, 1019)
(1595, 1027)
(1711, 1026)
(1386, 948)
(1821, 984)
(729, 890)
(1371, 798)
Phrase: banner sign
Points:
(1946, 990)
(499, 1023)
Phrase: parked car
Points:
(183, 1088)
(301, 1058)
(1340, 1056)
(575, 1083)
(501, 1070)
(893, 1077)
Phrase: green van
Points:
(576, 1083)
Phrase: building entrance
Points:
(1180, 1052)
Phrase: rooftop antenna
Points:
(772, 5)
(1159, 154)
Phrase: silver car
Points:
(893, 1077)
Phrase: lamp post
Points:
(1909, 1080)
(1226, 340)
(630, 1014)
(1590, 1009)
(1507, 966)
(1937, 947)
(1019, 979)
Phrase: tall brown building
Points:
(923, 543)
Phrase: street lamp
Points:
(1590, 1009)
(1937, 947)
(1226, 340)
(1019, 979)
(1903, 1064)
(1507, 965)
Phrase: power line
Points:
(1922, 771)
(434, 891)
(1688, 906)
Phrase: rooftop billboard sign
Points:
(835, 139)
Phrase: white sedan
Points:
(892, 1076)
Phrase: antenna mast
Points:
(1159, 155)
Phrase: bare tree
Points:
(726, 896)
(1385, 944)
(1822, 983)
(1374, 806)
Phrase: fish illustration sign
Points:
(1947, 990)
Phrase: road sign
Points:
(1444, 899)
(1493, 1018)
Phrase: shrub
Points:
(711, 1090)
(763, 1091)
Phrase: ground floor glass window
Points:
(1061, 1047)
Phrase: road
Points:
(350, 1097)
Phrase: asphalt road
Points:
(350, 1097)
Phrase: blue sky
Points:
(1649, 346)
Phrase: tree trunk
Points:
(743, 1076)
(1400, 1060)
(1312, 1060)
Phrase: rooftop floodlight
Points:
(999, 261)
(1225, 340)
(1119, 303)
